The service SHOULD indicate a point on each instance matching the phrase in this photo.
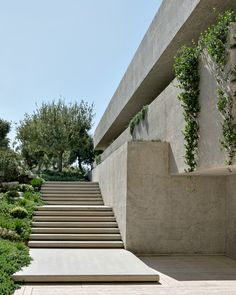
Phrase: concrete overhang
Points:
(177, 22)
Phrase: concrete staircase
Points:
(75, 238)
(74, 217)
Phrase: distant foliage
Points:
(53, 131)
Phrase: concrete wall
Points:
(112, 177)
(162, 214)
(151, 70)
(231, 217)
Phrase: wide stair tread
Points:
(75, 230)
(76, 244)
(74, 217)
(75, 237)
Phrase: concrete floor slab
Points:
(85, 265)
(179, 275)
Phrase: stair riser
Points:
(75, 230)
(71, 199)
(72, 213)
(99, 208)
(51, 237)
(71, 190)
(73, 203)
(47, 244)
(75, 224)
(71, 196)
(65, 219)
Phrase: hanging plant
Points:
(186, 71)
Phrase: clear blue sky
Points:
(78, 49)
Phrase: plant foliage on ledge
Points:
(186, 71)
(214, 42)
(137, 119)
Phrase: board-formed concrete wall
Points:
(151, 70)
(162, 214)
(164, 121)
(231, 217)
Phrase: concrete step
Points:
(75, 230)
(71, 182)
(69, 224)
(71, 189)
(74, 218)
(74, 202)
(71, 195)
(85, 265)
(73, 213)
(75, 244)
(87, 199)
(73, 208)
(76, 237)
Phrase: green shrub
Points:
(13, 256)
(9, 163)
(12, 195)
(37, 182)
(63, 176)
(19, 212)
(9, 234)
(25, 188)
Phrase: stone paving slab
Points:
(85, 265)
(179, 275)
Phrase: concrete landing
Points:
(85, 265)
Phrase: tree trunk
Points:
(80, 164)
(60, 162)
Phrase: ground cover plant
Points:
(15, 225)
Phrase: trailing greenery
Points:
(214, 42)
(15, 227)
(186, 71)
(137, 119)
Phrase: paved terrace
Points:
(180, 275)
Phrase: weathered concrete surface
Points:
(165, 122)
(231, 217)
(163, 214)
(151, 70)
(179, 275)
(112, 177)
(85, 265)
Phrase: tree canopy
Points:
(52, 134)
(5, 127)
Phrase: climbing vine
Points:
(214, 42)
(137, 119)
(186, 71)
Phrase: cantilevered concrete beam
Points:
(176, 23)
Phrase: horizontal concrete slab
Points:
(85, 265)
(151, 69)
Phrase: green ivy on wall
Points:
(186, 71)
(137, 119)
(214, 42)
